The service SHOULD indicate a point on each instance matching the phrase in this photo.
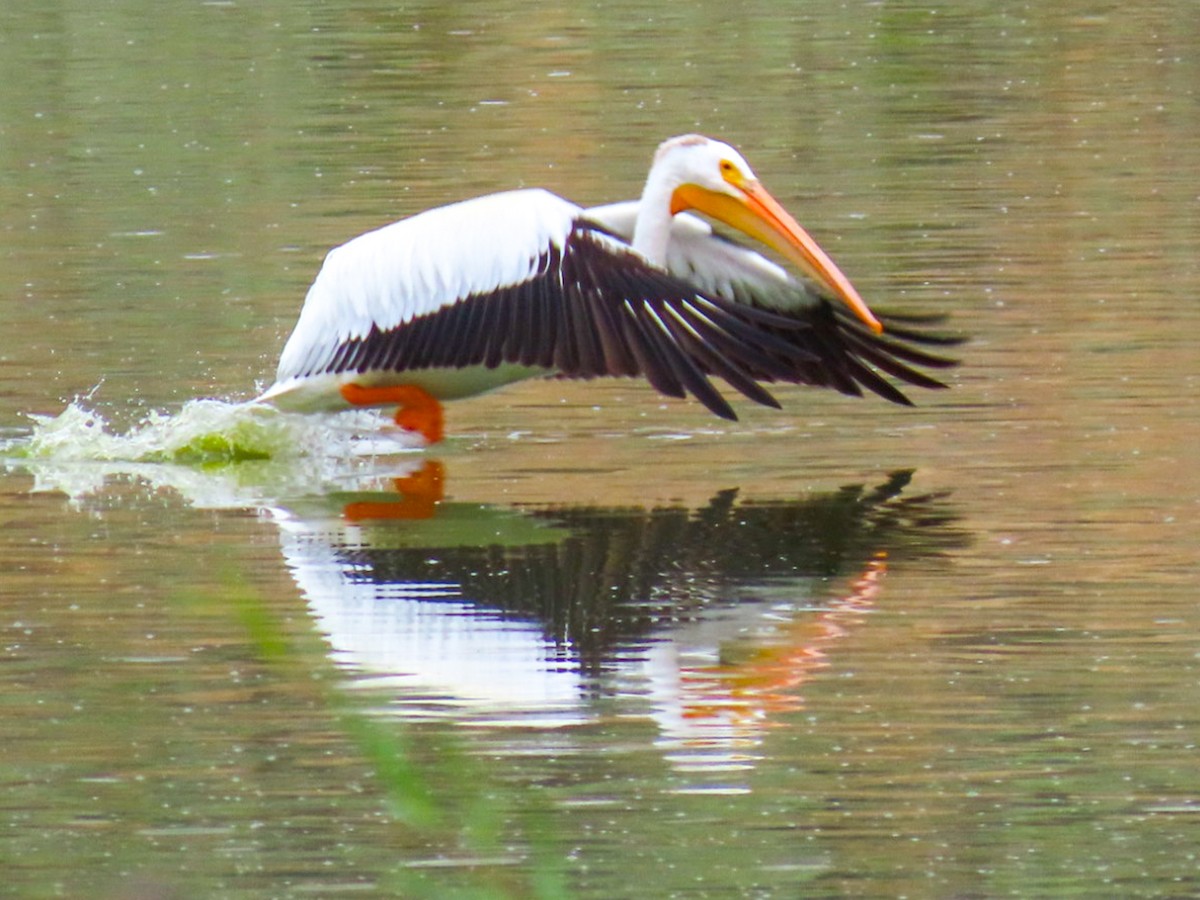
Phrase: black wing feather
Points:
(595, 308)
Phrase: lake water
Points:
(599, 644)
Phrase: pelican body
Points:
(468, 297)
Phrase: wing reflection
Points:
(706, 620)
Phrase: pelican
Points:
(468, 297)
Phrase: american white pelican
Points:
(471, 296)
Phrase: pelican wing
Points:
(837, 350)
(525, 279)
(384, 279)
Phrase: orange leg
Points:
(419, 410)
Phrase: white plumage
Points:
(467, 297)
(416, 266)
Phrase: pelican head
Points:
(711, 177)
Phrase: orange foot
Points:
(419, 410)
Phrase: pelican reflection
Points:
(706, 620)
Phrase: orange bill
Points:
(756, 213)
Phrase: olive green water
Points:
(840, 650)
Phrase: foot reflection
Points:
(706, 620)
(416, 496)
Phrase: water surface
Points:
(598, 640)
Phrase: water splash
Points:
(215, 453)
(207, 432)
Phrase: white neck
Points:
(652, 231)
